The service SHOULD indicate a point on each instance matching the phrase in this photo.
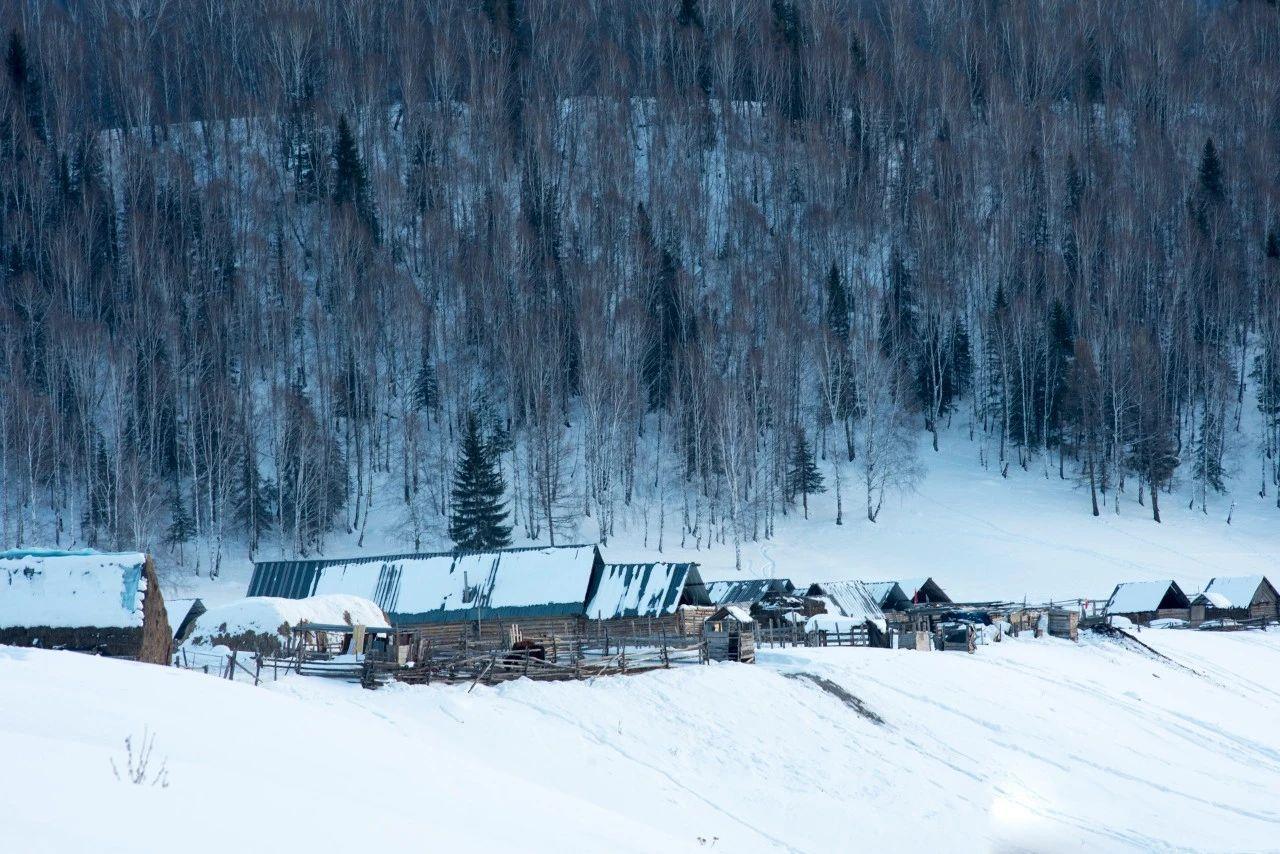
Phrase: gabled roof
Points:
(889, 595)
(550, 581)
(644, 590)
(746, 591)
(848, 599)
(47, 587)
(923, 590)
(1135, 597)
(1239, 590)
(732, 612)
(1212, 600)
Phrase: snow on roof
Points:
(1132, 597)
(748, 591)
(644, 589)
(886, 592)
(46, 587)
(270, 614)
(547, 581)
(1211, 598)
(732, 612)
(1239, 590)
(849, 599)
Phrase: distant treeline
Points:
(685, 262)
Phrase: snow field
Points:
(1027, 745)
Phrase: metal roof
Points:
(848, 599)
(548, 581)
(746, 591)
(644, 590)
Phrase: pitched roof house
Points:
(1144, 601)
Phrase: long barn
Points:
(448, 596)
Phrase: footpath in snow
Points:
(1037, 745)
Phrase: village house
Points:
(853, 600)
(770, 601)
(447, 597)
(85, 601)
(1246, 597)
(1144, 601)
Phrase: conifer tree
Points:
(803, 476)
(479, 508)
(182, 527)
(350, 181)
(426, 387)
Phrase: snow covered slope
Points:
(1026, 745)
(980, 535)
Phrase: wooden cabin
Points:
(84, 601)
(1144, 601)
(1239, 598)
(729, 634)
(923, 591)
(855, 600)
(449, 598)
(770, 601)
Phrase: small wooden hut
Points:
(730, 635)
(1247, 597)
(84, 601)
(1144, 601)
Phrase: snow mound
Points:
(271, 615)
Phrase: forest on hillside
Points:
(680, 264)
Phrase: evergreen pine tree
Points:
(837, 306)
(1210, 173)
(350, 181)
(479, 509)
(803, 477)
(182, 527)
(426, 388)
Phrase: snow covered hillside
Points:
(1027, 745)
(982, 536)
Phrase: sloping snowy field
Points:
(1026, 745)
(980, 535)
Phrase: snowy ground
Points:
(1026, 745)
(980, 535)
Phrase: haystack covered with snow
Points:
(85, 601)
(265, 623)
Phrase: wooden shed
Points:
(1246, 597)
(1144, 601)
(84, 601)
(729, 634)
(454, 597)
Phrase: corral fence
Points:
(557, 659)
(795, 635)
